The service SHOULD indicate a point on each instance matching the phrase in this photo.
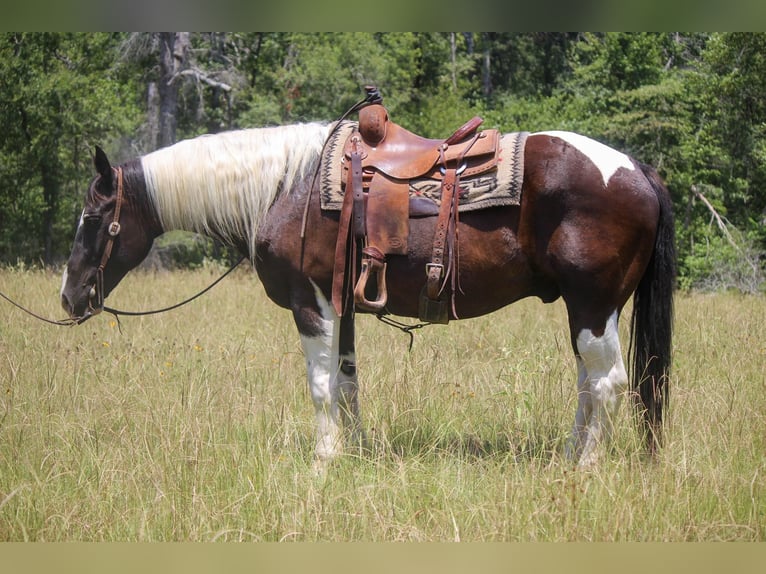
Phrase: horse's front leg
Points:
(348, 383)
(328, 346)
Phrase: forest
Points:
(691, 104)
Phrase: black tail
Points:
(652, 321)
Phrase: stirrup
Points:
(373, 262)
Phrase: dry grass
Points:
(196, 425)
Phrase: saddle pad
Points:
(498, 187)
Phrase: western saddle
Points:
(380, 159)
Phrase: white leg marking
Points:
(605, 383)
(322, 369)
(584, 410)
(606, 159)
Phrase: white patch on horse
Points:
(64, 277)
(606, 159)
(322, 367)
(601, 386)
(63, 283)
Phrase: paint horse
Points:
(592, 226)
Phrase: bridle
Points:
(96, 294)
(97, 291)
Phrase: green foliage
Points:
(319, 76)
(734, 66)
(688, 103)
(717, 262)
(57, 98)
(617, 61)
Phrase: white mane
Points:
(223, 184)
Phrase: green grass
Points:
(196, 425)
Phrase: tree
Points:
(57, 98)
(734, 69)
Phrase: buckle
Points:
(113, 229)
(430, 266)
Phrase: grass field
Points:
(197, 425)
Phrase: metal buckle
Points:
(430, 266)
(113, 229)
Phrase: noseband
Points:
(97, 291)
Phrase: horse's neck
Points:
(136, 195)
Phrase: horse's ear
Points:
(103, 167)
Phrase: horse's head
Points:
(115, 234)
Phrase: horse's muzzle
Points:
(79, 315)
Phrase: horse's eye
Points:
(91, 219)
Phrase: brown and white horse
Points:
(593, 226)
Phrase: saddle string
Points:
(451, 212)
(403, 327)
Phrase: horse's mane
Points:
(223, 184)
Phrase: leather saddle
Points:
(380, 160)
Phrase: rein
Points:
(117, 312)
(97, 291)
(114, 230)
(372, 97)
(403, 327)
(61, 323)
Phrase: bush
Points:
(720, 263)
(182, 250)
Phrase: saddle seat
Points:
(400, 154)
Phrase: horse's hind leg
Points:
(601, 387)
(584, 409)
(330, 366)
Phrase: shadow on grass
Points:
(543, 445)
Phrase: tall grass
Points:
(196, 425)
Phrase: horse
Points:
(593, 226)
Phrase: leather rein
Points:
(96, 295)
(97, 291)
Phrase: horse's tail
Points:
(652, 320)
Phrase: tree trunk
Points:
(486, 70)
(153, 116)
(174, 49)
(453, 58)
